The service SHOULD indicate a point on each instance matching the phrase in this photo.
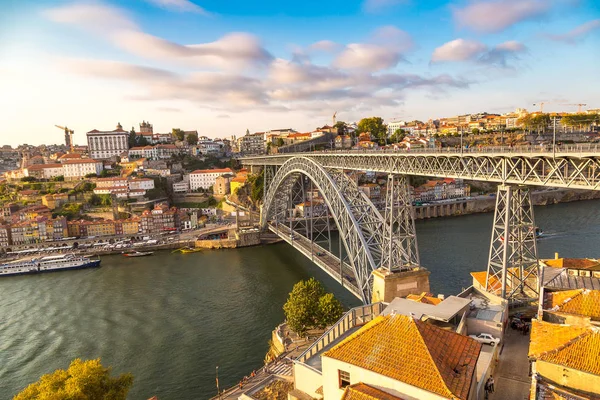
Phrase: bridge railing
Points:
(541, 149)
(354, 317)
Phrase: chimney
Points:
(556, 256)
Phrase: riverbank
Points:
(487, 203)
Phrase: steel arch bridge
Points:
(370, 239)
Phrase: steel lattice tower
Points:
(513, 260)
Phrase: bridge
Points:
(383, 242)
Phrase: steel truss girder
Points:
(567, 170)
(359, 223)
(513, 260)
(400, 238)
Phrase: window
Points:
(344, 378)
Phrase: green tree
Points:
(330, 310)
(341, 128)
(29, 179)
(375, 126)
(192, 139)
(92, 175)
(142, 141)
(398, 136)
(256, 183)
(212, 201)
(178, 134)
(132, 138)
(59, 178)
(279, 142)
(83, 380)
(475, 131)
(308, 306)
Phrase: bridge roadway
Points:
(576, 167)
(328, 262)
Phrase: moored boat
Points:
(48, 264)
(139, 254)
(186, 250)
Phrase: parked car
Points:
(485, 338)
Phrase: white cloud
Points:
(578, 32)
(384, 50)
(324, 45)
(235, 50)
(471, 50)
(458, 50)
(497, 15)
(180, 6)
(376, 6)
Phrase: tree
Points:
(29, 179)
(475, 131)
(178, 133)
(91, 175)
(94, 200)
(83, 380)
(341, 128)
(330, 310)
(59, 178)
(308, 306)
(142, 141)
(192, 139)
(279, 142)
(132, 138)
(375, 126)
(398, 136)
(212, 201)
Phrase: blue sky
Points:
(221, 67)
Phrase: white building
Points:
(141, 184)
(205, 178)
(106, 144)
(149, 152)
(44, 171)
(393, 126)
(181, 187)
(77, 169)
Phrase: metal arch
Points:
(359, 223)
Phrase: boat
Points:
(186, 250)
(139, 254)
(47, 264)
(539, 233)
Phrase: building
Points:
(160, 219)
(5, 236)
(205, 178)
(404, 358)
(252, 144)
(237, 183)
(148, 152)
(8, 209)
(310, 209)
(107, 144)
(221, 186)
(44, 171)
(181, 187)
(53, 201)
(77, 169)
(343, 142)
(372, 191)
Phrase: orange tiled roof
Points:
(573, 263)
(426, 298)
(432, 359)
(362, 391)
(581, 302)
(572, 346)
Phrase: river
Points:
(171, 319)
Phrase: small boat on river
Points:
(186, 250)
(139, 254)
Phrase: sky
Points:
(221, 67)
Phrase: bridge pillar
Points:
(400, 273)
(513, 259)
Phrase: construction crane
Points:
(579, 105)
(541, 104)
(68, 136)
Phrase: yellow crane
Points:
(579, 105)
(68, 136)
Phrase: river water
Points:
(171, 319)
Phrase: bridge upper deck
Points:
(570, 166)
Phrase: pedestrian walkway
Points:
(282, 368)
(512, 380)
